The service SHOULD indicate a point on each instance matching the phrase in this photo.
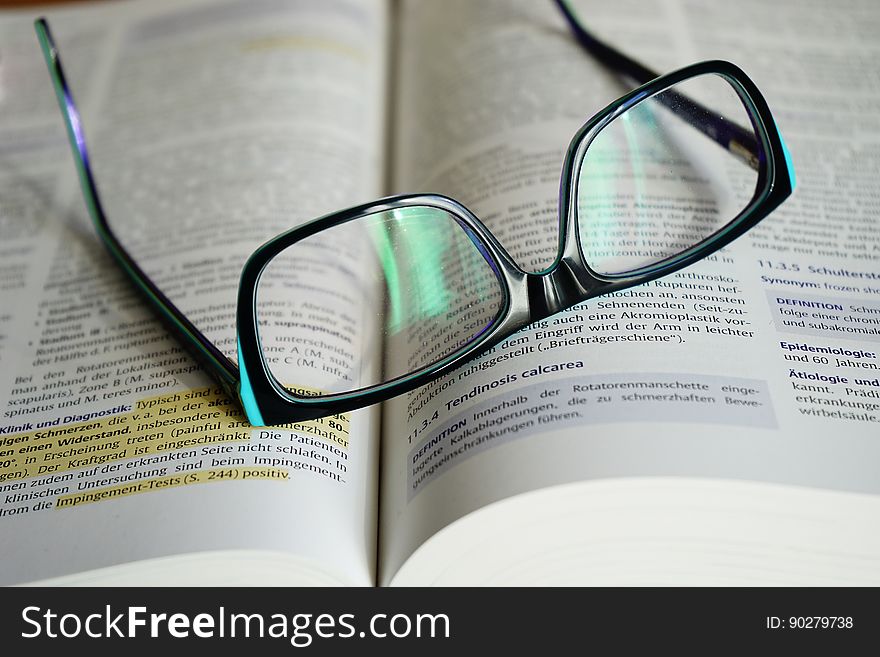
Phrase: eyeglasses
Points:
(660, 178)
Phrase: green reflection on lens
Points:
(413, 239)
(424, 243)
(644, 115)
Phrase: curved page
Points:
(214, 126)
(758, 364)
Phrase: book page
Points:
(758, 364)
(213, 126)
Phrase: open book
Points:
(716, 426)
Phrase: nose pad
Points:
(555, 290)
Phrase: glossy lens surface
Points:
(375, 299)
(669, 173)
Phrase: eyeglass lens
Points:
(652, 184)
(424, 284)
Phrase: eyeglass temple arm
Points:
(739, 141)
(214, 361)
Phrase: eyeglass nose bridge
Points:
(561, 287)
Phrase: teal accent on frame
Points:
(789, 165)
(246, 393)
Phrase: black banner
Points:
(432, 621)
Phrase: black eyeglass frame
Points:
(527, 296)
